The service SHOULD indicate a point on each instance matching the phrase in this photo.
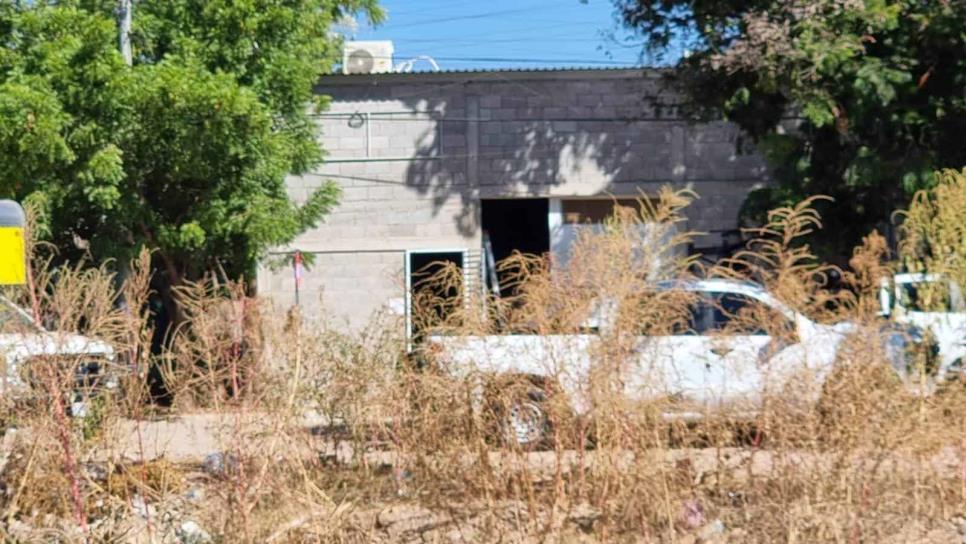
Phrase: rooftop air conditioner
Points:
(369, 57)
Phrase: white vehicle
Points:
(22, 339)
(933, 303)
(716, 363)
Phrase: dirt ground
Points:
(190, 440)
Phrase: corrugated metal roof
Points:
(496, 74)
(503, 70)
(538, 69)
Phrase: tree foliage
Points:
(186, 151)
(858, 99)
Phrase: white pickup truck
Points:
(717, 363)
(932, 303)
(22, 339)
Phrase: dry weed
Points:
(326, 435)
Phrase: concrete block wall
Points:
(415, 153)
(337, 285)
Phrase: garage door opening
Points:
(514, 225)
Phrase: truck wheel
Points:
(525, 423)
(519, 411)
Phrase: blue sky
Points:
(465, 34)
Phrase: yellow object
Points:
(13, 260)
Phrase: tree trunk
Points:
(166, 290)
(124, 16)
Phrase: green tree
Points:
(861, 100)
(184, 152)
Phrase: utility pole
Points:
(299, 270)
(124, 9)
(124, 15)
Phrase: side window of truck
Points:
(745, 316)
(724, 313)
(700, 317)
(926, 297)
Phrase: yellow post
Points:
(13, 258)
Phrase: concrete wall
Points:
(415, 153)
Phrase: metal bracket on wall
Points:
(360, 119)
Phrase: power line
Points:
(584, 62)
(504, 30)
(538, 49)
(454, 4)
(527, 26)
(435, 8)
(406, 183)
(562, 38)
(484, 15)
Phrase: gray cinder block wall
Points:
(415, 153)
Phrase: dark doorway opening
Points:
(519, 224)
(433, 295)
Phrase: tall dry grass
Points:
(855, 466)
(327, 435)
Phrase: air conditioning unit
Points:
(369, 57)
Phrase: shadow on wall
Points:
(513, 139)
(484, 137)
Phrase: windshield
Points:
(736, 314)
(930, 296)
(14, 319)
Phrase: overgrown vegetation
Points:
(934, 228)
(285, 431)
(186, 151)
(860, 100)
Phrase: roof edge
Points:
(492, 75)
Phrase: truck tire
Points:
(519, 412)
(526, 424)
